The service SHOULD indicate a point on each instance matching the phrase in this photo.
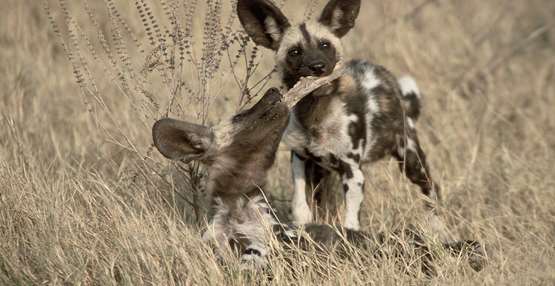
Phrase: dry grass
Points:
(82, 202)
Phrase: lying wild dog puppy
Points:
(238, 154)
(365, 115)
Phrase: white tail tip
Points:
(408, 85)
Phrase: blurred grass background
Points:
(81, 201)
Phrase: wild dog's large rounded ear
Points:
(340, 16)
(263, 22)
(180, 140)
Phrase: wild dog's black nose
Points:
(318, 68)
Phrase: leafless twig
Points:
(309, 84)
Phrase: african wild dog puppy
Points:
(365, 115)
(238, 155)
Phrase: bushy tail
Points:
(411, 96)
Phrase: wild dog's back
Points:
(357, 116)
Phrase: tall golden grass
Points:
(85, 199)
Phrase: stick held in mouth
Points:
(307, 85)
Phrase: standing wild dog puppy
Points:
(363, 116)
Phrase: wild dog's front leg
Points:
(301, 210)
(353, 186)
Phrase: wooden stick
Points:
(306, 85)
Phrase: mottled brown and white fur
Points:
(238, 155)
(365, 115)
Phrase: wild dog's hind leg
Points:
(301, 210)
(412, 162)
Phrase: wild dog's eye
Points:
(324, 44)
(294, 52)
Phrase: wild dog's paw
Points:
(352, 223)
(302, 214)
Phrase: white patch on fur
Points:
(408, 85)
(301, 210)
(290, 233)
(352, 118)
(411, 123)
(373, 106)
(223, 133)
(373, 109)
(370, 80)
(294, 135)
(358, 151)
(402, 149)
(272, 28)
(291, 37)
(411, 145)
(353, 198)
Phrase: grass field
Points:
(84, 199)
